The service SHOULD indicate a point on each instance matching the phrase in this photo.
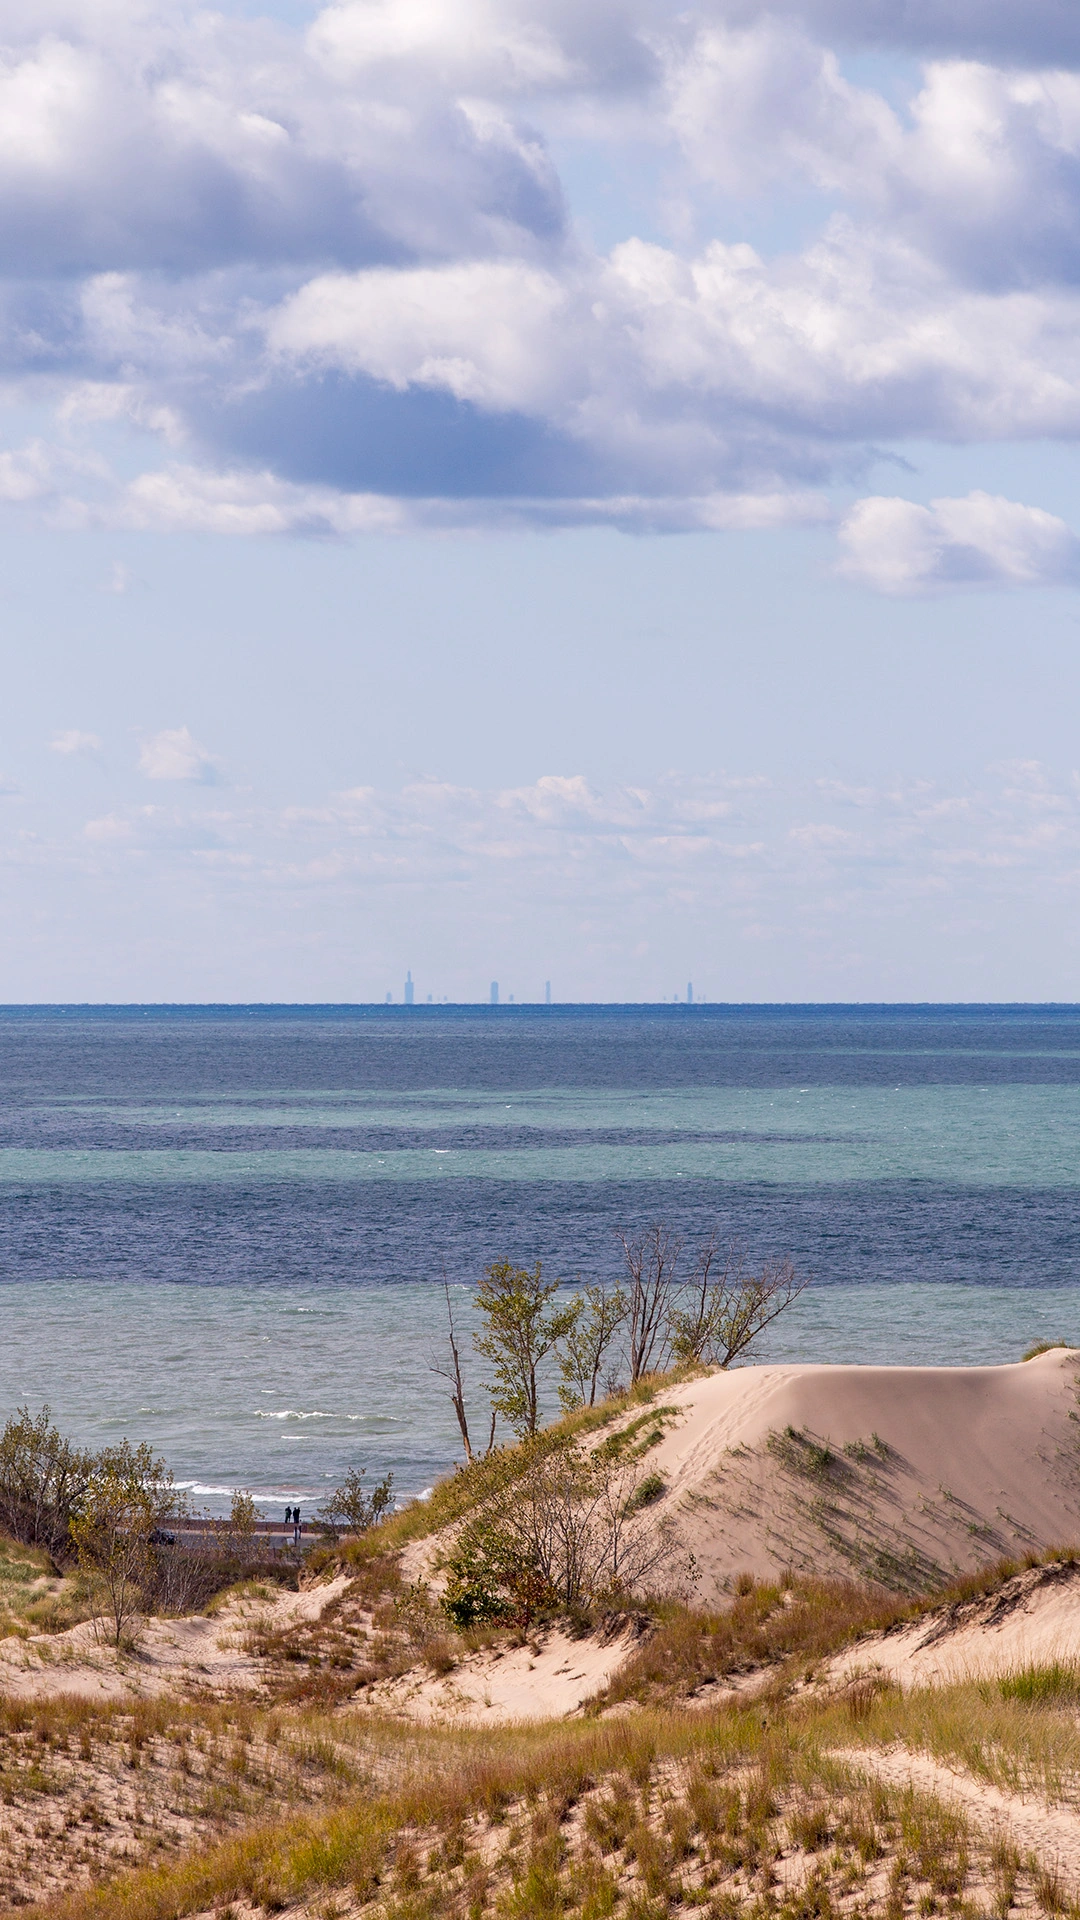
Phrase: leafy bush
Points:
(43, 1481)
(355, 1508)
(561, 1535)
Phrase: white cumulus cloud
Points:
(337, 279)
(174, 755)
(71, 740)
(982, 540)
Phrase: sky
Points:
(521, 490)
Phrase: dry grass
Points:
(88, 1787)
(640, 1818)
(767, 1624)
(1019, 1732)
(378, 1628)
(790, 1624)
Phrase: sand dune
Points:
(1032, 1620)
(903, 1475)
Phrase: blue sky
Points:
(540, 492)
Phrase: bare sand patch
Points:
(206, 1651)
(1031, 1620)
(548, 1678)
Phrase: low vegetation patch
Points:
(672, 1792)
(738, 1814)
(34, 1598)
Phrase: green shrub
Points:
(647, 1492)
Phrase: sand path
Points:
(1051, 1833)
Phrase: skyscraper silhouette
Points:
(409, 989)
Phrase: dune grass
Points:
(1018, 1731)
(34, 1598)
(465, 1489)
(643, 1807)
(636, 1817)
(630, 1816)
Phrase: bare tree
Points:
(599, 1313)
(652, 1260)
(727, 1307)
(449, 1368)
(690, 1321)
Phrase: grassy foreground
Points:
(761, 1810)
(722, 1769)
(649, 1806)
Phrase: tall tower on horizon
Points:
(409, 989)
(689, 993)
(494, 993)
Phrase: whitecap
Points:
(293, 1413)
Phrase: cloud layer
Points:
(174, 755)
(345, 279)
(755, 887)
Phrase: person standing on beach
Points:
(296, 1527)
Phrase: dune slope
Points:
(1031, 1621)
(904, 1475)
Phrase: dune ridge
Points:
(902, 1475)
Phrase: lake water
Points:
(224, 1230)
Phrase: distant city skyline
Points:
(493, 997)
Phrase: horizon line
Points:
(509, 1009)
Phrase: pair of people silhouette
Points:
(292, 1516)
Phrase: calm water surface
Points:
(224, 1230)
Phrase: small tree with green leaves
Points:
(129, 1499)
(234, 1538)
(43, 1479)
(599, 1314)
(355, 1507)
(521, 1327)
